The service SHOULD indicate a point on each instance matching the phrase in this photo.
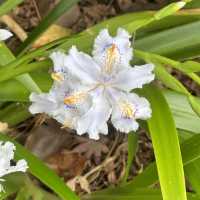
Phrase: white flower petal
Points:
(82, 66)
(21, 166)
(131, 78)
(143, 110)
(42, 103)
(122, 33)
(6, 156)
(127, 107)
(112, 52)
(94, 121)
(103, 129)
(125, 125)
(58, 59)
(62, 102)
(59, 68)
(8, 150)
(5, 34)
(102, 41)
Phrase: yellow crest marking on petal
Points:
(111, 57)
(127, 109)
(57, 76)
(75, 98)
(67, 124)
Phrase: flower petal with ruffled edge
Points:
(82, 66)
(111, 53)
(5, 34)
(59, 69)
(62, 102)
(133, 77)
(127, 108)
(6, 156)
(95, 120)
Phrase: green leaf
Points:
(13, 182)
(132, 147)
(184, 116)
(60, 9)
(166, 147)
(194, 4)
(42, 172)
(134, 194)
(8, 5)
(13, 90)
(8, 114)
(169, 10)
(192, 172)
(195, 104)
(171, 43)
(6, 57)
(169, 80)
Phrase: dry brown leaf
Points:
(54, 32)
(3, 126)
(72, 184)
(91, 148)
(79, 180)
(84, 184)
(48, 139)
(67, 164)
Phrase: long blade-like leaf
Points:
(166, 147)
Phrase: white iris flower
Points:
(87, 90)
(5, 34)
(6, 156)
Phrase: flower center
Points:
(57, 76)
(112, 56)
(75, 99)
(128, 110)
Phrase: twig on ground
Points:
(14, 27)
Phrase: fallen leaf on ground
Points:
(53, 33)
(66, 163)
(91, 148)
